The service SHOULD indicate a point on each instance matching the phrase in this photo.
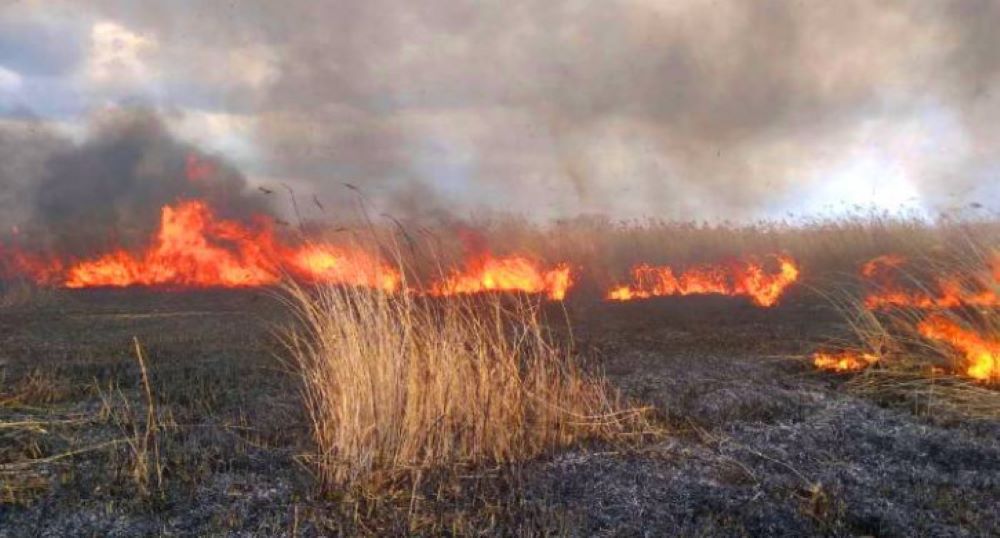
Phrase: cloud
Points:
(9, 80)
(38, 43)
(119, 58)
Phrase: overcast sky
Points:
(674, 108)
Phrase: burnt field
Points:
(751, 438)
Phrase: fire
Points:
(511, 273)
(982, 355)
(15, 263)
(327, 263)
(843, 361)
(194, 248)
(744, 278)
(191, 248)
(947, 291)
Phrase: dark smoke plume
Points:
(107, 191)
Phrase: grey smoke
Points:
(683, 109)
(25, 146)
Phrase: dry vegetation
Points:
(42, 436)
(602, 250)
(17, 292)
(399, 387)
(940, 353)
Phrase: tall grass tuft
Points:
(401, 386)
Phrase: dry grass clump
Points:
(37, 387)
(401, 386)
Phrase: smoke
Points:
(680, 109)
(686, 109)
(107, 191)
(25, 146)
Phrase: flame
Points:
(510, 273)
(843, 361)
(327, 263)
(982, 355)
(948, 291)
(16, 263)
(746, 278)
(193, 248)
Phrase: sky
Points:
(676, 109)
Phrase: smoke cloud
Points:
(687, 109)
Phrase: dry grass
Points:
(39, 442)
(401, 387)
(932, 374)
(17, 292)
(37, 387)
(140, 431)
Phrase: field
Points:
(142, 412)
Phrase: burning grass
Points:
(486, 273)
(194, 248)
(400, 386)
(930, 336)
(743, 278)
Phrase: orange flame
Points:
(511, 273)
(843, 361)
(15, 263)
(949, 291)
(746, 278)
(982, 355)
(326, 263)
(192, 248)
